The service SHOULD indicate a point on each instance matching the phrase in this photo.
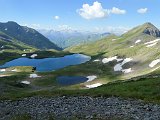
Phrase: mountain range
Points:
(67, 37)
(11, 32)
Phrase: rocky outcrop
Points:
(150, 29)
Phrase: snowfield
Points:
(25, 82)
(152, 43)
(2, 70)
(107, 60)
(113, 39)
(91, 78)
(97, 60)
(14, 70)
(23, 55)
(138, 41)
(94, 85)
(127, 70)
(34, 55)
(154, 62)
(118, 67)
(34, 76)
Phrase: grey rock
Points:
(82, 107)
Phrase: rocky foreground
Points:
(41, 108)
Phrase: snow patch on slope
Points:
(97, 60)
(2, 70)
(118, 67)
(34, 55)
(94, 85)
(91, 78)
(34, 76)
(138, 41)
(152, 43)
(25, 82)
(107, 60)
(154, 63)
(127, 70)
(23, 55)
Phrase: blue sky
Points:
(92, 15)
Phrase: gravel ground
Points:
(41, 108)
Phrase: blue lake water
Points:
(71, 80)
(48, 64)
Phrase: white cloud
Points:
(142, 10)
(56, 17)
(94, 11)
(115, 10)
(97, 11)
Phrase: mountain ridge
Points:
(146, 28)
(27, 35)
(142, 48)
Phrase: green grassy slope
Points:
(126, 46)
(146, 88)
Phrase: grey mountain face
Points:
(67, 38)
(155, 33)
(151, 30)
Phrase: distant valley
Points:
(67, 37)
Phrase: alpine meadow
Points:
(79, 60)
